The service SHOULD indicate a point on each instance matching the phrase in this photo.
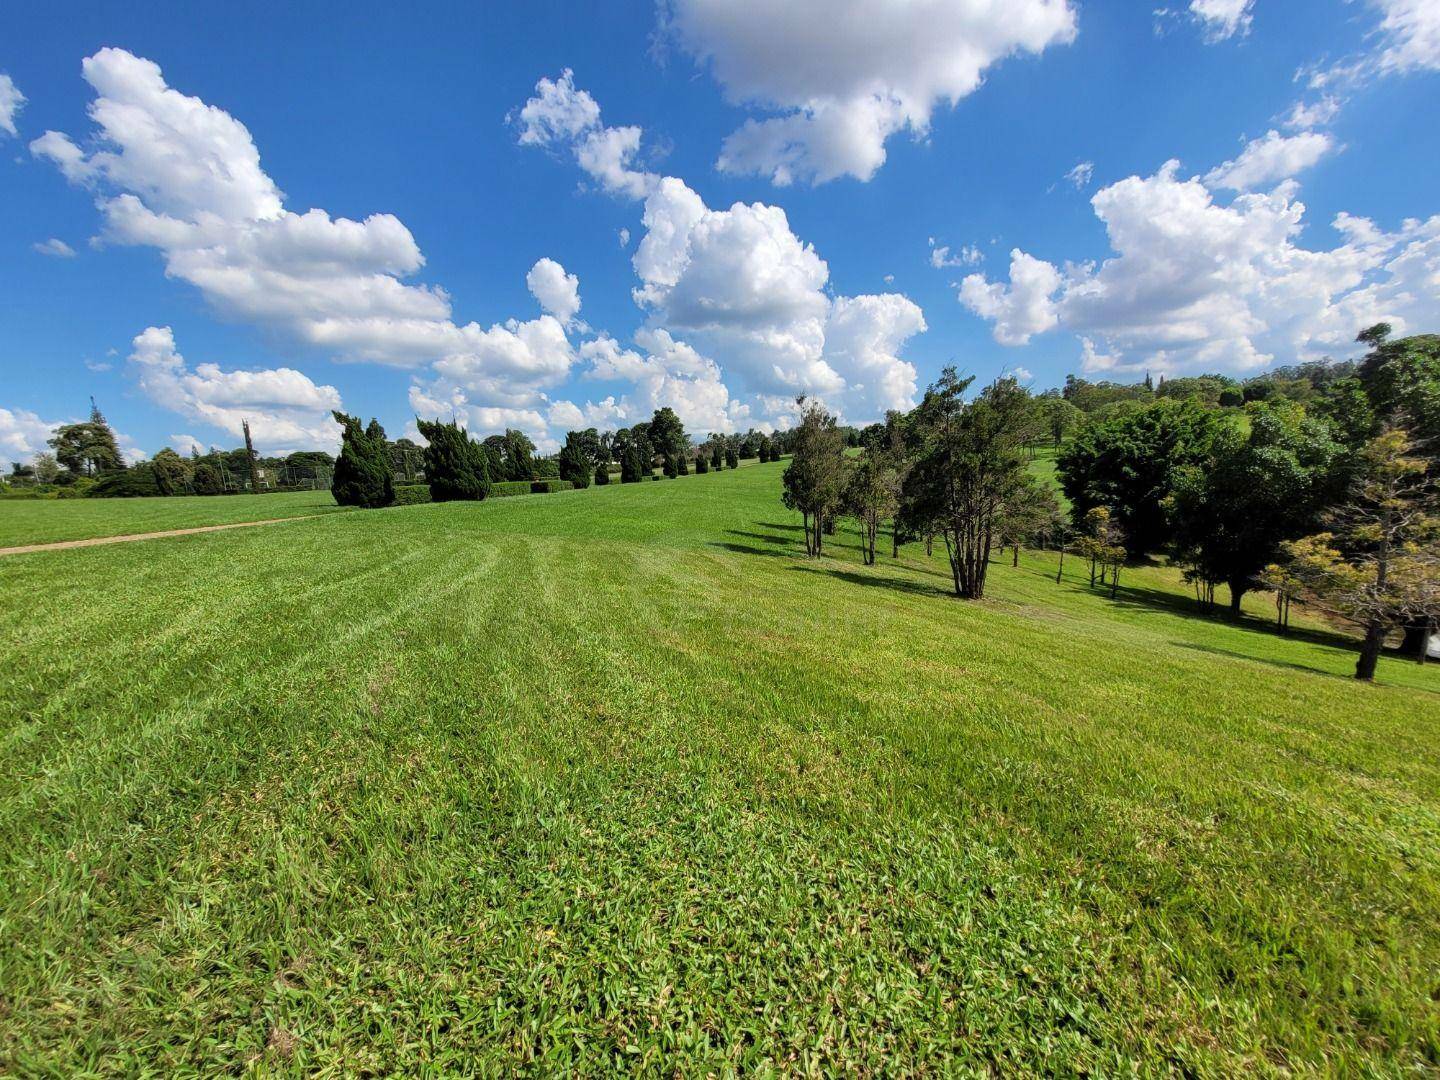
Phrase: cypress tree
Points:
(574, 462)
(671, 469)
(716, 461)
(363, 476)
(633, 467)
(732, 456)
(455, 464)
(602, 474)
(682, 467)
(702, 464)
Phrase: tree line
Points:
(456, 466)
(1318, 483)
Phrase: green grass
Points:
(615, 780)
(44, 521)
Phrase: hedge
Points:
(542, 487)
(411, 494)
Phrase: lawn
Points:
(44, 521)
(616, 780)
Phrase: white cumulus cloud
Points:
(845, 75)
(11, 102)
(287, 411)
(1221, 19)
(557, 291)
(1192, 284)
(1271, 158)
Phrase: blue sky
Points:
(212, 215)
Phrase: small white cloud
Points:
(1306, 115)
(11, 102)
(1271, 158)
(557, 291)
(97, 365)
(58, 249)
(889, 279)
(1080, 175)
(940, 257)
(624, 238)
(1222, 19)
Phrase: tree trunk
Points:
(1061, 568)
(894, 540)
(1423, 648)
(1014, 554)
(1237, 593)
(1417, 636)
(1370, 652)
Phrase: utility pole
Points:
(250, 458)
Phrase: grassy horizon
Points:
(617, 780)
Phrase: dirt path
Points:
(97, 540)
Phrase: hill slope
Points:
(616, 779)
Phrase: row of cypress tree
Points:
(455, 464)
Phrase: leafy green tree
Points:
(970, 467)
(717, 459)
(872, 496)
(702, 464)
(814, 481)
(766, 450)
(206, 480)
(1129, 463)
(671, 469)
(45, 469)
(363, 476)
(1031, 511)
(519, 456)
(682, 465)
(1378, 566)
(602, 474)
(89, 448)
(172, 472)
(634, 456)
(456, 466)
(667, 433)
(577, 459)
(732, 453)
(1059, 418)
(1231, 513)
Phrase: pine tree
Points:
(716, 461)
(455, 464)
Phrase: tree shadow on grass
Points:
(751, 549)
(772, 538)
(915, 588)
(777, 525)
(1309, 669)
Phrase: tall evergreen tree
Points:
(456, 466)
(576, 459)
(363, 476)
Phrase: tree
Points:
(89, 448)
(667, 434)
(206, 480)
(702, 464)
(814, 481)
(717, 461)
(1060, 418)
(1379, 565)
(671, 469)
(1231, 513)
(456, 466)
(519, 456)
(634, 451)
(1031, 511)
(363, 476)
(577, 459)
(732, 453)
(1128, 463)
(970, 467)
(45, 468)
(872, 496)
(172, 473)
(602, 474)
(681, 465)
(767, 450)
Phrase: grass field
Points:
(44, 521)
(616, 780)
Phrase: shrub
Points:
(206, 480)
(702, 465)
(363, 475)
(544, 487)
(681, 467)
(126, 484)
(455, 464)
(732, 457)
(672, 470)
(510, 487)
(602, 476)
(412, 494)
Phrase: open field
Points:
(45, 521)
(617, 780)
